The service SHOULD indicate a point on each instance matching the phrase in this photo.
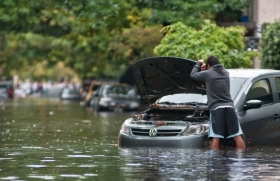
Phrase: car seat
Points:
(259, 93)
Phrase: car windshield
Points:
(119, 90)
(69, 91)
(235, 86)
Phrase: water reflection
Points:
(46, 139)
(192, 164)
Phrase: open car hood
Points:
(159, 76)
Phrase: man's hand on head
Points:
(203, 66)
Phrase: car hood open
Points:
(159, 76)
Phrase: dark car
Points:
(178, 114)
(6, 89)
(115, 97)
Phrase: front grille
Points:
(160, 132)
(167, 123)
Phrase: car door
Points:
(259, 125)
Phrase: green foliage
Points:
(189, 12)
(75, 32)
(42, 72)
(225, 43)
(270, 46)
(94, 38)
(132, 45)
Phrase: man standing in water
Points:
(223, 119)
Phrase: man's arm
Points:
(196, 74)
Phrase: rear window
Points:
(119, 90)
(6, 86)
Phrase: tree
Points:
(189, 12)
(270, 46)
(74, 32)
(94, 38)
(132, 45)
(226, 43)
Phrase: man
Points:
(223, 119)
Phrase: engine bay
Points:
(173, 115)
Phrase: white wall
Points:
(267, 11)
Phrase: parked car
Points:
(115, 97)
(95, 84)
(178, 114)
(68, 93)
(6, 89)
(20, 93)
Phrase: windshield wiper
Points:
(192, 103)
(167, 102)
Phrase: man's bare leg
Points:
(239, 142)
(215, 143)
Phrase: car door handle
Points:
(276, 116)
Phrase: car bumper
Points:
(175, 141)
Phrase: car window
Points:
(260, 90)
(277, 82)
(119, 90)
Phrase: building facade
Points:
(253, 17)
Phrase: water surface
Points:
(48, 139)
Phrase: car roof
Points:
(251, 73)
(117, 84)
(5, 82)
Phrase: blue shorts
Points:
(224, 123)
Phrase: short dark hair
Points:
(212, 60)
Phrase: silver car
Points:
(115, 97)
(178, 113)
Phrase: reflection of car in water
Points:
(115, 96)
(6, 89)
(178, 114)
(68, 93)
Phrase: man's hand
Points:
(203, 65)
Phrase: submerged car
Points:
(94, 85)
(178, 115)
(115, 97)
(68, 93)
(6, 89)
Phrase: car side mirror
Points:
(253, 104)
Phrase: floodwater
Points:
(47, 139)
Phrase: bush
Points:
(225, 43)
(270, 46)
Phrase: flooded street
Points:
(47, 139)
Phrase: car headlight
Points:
(196, 129)
(125, 126)
(104, 101)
